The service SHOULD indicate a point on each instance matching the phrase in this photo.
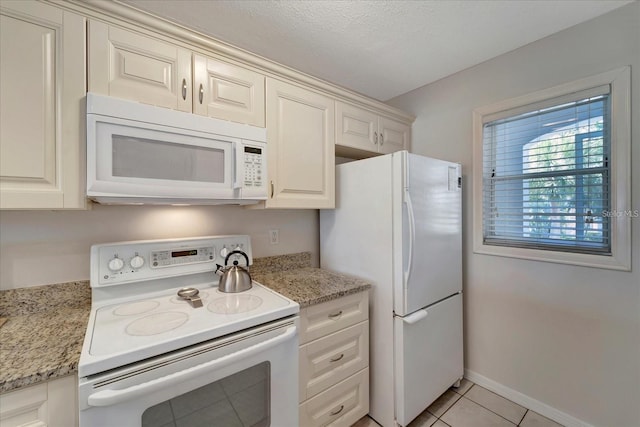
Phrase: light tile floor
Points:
(473, 406)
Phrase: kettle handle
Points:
(236, 252)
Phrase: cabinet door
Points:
(132, 66)
(393, 136)
(42, 83)
(301, 150)
(53, 403)
(356, 127)
(228, 92)
(24, 407)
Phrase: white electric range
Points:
(147, 349)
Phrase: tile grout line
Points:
(452, 405)
(457, 400)
(471, 400)
(525, 414)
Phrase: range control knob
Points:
(223, 252)
(136, 262)
(116, 264)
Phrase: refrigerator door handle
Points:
(415, 317)
(412, 234)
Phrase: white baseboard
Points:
(524, 400)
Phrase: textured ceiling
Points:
(379, 48)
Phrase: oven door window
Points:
(241, 399)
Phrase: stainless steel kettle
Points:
(234, 278)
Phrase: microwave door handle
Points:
(113, 397)
(238, 151)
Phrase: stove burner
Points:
(135, 308)
(157, 323)
(232, 304)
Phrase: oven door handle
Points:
(113, 397)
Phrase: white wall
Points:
(566, 336)
(38, 248)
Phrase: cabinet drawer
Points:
(323, 319)
(329, 360)
(341, 405)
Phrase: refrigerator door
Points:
(428, 358)
(432, 233)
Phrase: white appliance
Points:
(139, 153)
(397, 223)
(152, 358)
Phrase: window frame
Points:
(620, 178)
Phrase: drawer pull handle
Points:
(201, 94)
(184, 89)
(337, 358)
(335, 314)
(337, 412)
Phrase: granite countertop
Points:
(293, 277)
(42, 337)
(308, 286)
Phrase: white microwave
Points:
(141, 154)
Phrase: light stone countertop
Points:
(293, 277)
(43, 335)
(308, 286)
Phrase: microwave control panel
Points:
(253, 166)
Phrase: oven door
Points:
(244, 379)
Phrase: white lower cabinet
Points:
(334, 362)
(341, 405)
(50, 404)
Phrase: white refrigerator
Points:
(397, 223)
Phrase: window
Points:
(546, 177)
(551, 174)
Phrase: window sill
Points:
(610, 262)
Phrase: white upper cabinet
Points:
(300, 144)
(393, 135)
(128, 65)
(361, 129)
(356, 127)
(132, 66)
(42, 83)
(226, 91)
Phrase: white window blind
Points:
(546, 174)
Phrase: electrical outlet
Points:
(273, 237)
